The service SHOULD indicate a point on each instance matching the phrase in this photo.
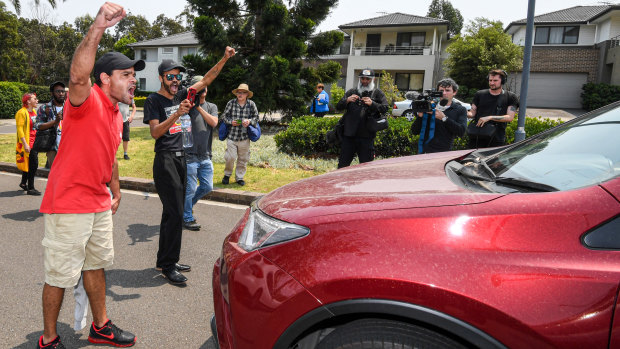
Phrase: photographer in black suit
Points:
(365, 101)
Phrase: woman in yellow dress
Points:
(26, 159)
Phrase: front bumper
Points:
(254, 300)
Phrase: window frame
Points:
(565, 29)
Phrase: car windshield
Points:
(579, 153)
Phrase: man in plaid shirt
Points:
(240, 113)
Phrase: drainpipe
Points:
(525, 75)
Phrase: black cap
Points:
(56, 83)
(367, 73)
(169, 64)
(115, 61)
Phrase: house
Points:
(571, 47)
(156, 50)
(406, 46)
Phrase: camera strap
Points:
(427, 119)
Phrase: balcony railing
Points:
(614, 42)
(391, 50)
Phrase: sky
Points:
(347, 11)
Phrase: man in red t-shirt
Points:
(77, 205)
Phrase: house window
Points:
(142, 84)
(557, 35)
(409, 81)
(167, 50)
(191, 50)
(410, 39)
(143, 54)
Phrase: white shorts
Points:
(76, 242)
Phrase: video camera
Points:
(428, 101)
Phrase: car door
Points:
(613, 187)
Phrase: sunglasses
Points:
(59, 91)
(170, 77)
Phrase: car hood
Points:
(406, 182)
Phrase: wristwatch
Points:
(444, 118)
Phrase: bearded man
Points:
(162, 111)
(361, 103)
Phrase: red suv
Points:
(512, 247)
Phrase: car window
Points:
(577, 154)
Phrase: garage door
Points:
(555, 90)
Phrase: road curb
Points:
(147, 185)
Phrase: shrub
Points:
(11, 98)
(42, 92)
(337, 93)
(139, 101)
(595, 96)
(305, 136)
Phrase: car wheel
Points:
(380, 333)
(408, 114)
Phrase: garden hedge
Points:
(305, 136)
(595, 96)
(11, 96)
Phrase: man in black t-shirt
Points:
(494, 105)
(162, 111)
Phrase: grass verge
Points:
(267, 170)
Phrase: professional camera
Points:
(428, 101)
(362, 95)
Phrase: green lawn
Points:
(268, 169)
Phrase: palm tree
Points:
(18, 6)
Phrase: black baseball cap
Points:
(56, 83)
(367, 73)
(169, 64)
(115, 61)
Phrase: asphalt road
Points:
(139, 299)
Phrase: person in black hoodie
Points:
(365, 101)
(450, 120)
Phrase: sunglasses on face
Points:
(170, 77)
(59, 91)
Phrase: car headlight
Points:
(262, 230)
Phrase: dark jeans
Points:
(320, 114)
(33, 164)
(363, 147)
(170, 180)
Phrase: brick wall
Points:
(566, 60)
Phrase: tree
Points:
(271, 40)
(484, 47)
(121, 46)
(17, 5)
(138, 26)
(443, 9)
(167, 26)
(389, 88)
(13, 60)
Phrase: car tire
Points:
(381, 333)
(408, 114)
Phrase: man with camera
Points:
(360, 104)
(492, 109)
(450, 120)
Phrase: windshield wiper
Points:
(525, 183)
(471, 170)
